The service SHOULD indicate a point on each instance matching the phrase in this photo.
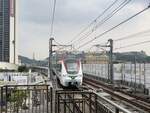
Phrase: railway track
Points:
(77, 103)
(133, 100)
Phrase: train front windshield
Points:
(72, 67)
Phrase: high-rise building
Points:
(8, 31)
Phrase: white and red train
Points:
(69, 71)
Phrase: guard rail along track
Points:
(134, 100)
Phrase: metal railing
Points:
(74, 102)
(133, 75)
(25, 99)
(111, 107)
(85, 102)
(39, 99)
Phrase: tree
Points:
(18, 98)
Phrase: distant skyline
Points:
(71, 17)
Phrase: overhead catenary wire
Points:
(90, 49)
(132, 35)
(131, 45)
(104, 20)
(95, 20)
(135, 35)
(105, 32)
(123, 4)
(57, 43)
(101, 45)
(61, 46)
(53, 17)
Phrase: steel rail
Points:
(110, 90)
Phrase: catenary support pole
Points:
(111, 61)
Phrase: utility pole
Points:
(14, 44)
(111, 61)
(135, 74)
(50, 55)
(110, 65)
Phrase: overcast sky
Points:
(71, 17)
